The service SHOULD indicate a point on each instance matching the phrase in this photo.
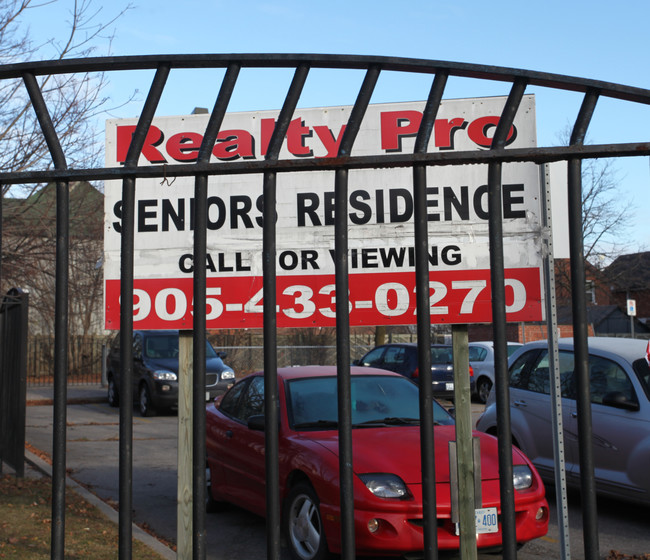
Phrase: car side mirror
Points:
(221, 354)
(256, 422)
(356, 362)
(617, 399)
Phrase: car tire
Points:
(211, 505)
(483, 388)
(144, 401)
(304, 530)
(113, 394)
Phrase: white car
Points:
(481, 358)
(619, 381)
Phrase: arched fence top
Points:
(341, 62)
(327, 61)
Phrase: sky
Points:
(595, 39)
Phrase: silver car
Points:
(481, 358)
(620, 393)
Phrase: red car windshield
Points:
(376, 400)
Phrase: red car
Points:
(386, 457)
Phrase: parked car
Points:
(155, 371)
(386, 463)
(402, 357)
(481, 358)
(620, 409)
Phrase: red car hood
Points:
(397, 450)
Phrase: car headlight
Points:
(163, 375)
(385, 485)
(228, 374)
(522, 477)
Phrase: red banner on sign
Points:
(310, 301)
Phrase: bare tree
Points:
(29, 249)
(605, 211)
(73, 100)
(605, 227)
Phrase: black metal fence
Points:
(13, 337)
(516, 81)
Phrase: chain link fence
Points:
(86, 355)
(84, 359)
(247, 359)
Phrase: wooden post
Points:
(184, 496)
(380, 335)
(464, 444)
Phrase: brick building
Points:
(628, 277)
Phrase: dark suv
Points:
(155, 371)
(403, 358)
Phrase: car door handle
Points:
(520, 403)
(229, 434)
(574, 414)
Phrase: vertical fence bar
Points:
(421, 232)
(2, 197)
(580, 325)
(126, 314)
(199, 327)
(60, 366)
(126, 360)
(272, 458)
(60, 319)
(199, 365)
(272, 455)
(495, 210)
(344, 392)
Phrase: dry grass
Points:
(25, 524)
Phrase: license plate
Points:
(449, 386)
(486, 520)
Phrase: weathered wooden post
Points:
(184, 496)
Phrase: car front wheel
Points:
(113, 395)
(483, 388)
(211, 505)
(145, 404)
(304, 525)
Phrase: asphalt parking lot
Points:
(92, 460)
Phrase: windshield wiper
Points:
(316, 424)
(390, 421)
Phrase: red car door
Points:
(239, 451)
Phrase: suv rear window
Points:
(441, 355)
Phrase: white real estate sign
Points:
(381, 238)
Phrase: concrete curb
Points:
(107, 510)
(78, 400)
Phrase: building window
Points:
(590, 291)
